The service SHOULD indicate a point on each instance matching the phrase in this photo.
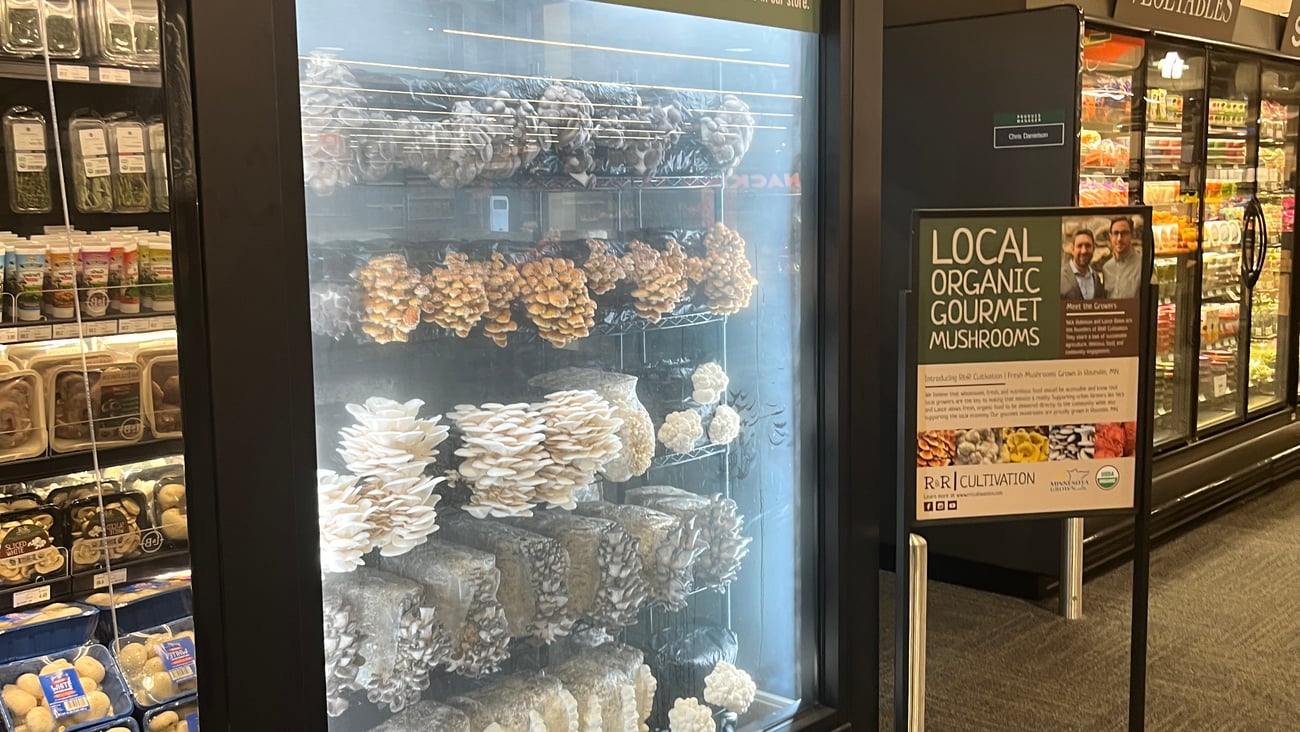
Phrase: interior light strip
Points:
(467, 72)
(616, 49)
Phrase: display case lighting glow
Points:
(1172, 65)
(616, 49)
(525, 77)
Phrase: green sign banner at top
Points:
(800, 15)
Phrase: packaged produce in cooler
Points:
(91, 689)
(158, 663)
(156, 139)
(21, 35)
(143, 605)
(110, 31)
(164, 485)
(114, 532)
(28, 161)
(181, 715)
(162, 396)
(92, 169)
(126, 143)
(32, 546)
(92, 278)
(145, 28)
(38, 631)
(114, 392)
(22, 416)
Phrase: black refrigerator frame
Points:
(231, 78)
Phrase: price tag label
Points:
(115, 76)
(64, 72)
(105, 579)
(135, 325)
(164, 322)
(34, 333)
(32, 596)
(1220, 385)
(101, 328)
(178, 659)
(64, 693)
(97, 167)
(9, 335)
(29, 162)
(131, 163)
(66, 330)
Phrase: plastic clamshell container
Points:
(30, 633)
(113, 685)
(124, 515)
(184, 708)
(22, 416)
(130, 165)
(165, 605)
(71, 431)
(123, 724)
(139, 681)
(164, 418)
(28, 161)
(92, 171)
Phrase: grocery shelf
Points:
(681, 458)
(1174, 253)
(38, 330)
(78, 72)
(77, 462)
(78, 586)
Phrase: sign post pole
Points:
(911, 569)
(1071, 582)
(918, 576)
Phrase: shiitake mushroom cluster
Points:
(553, 291)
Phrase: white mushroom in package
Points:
(32, 711)
(689, 715)
(730, 688)
(710, 383)
(681, 430)
(725, 425)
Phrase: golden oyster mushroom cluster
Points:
(1024, 445)
(502, 284)
(453, 297)
(724, 272)
(935, 448)
(389, 298)
(658, 278)
(556, 299)
(604, 270)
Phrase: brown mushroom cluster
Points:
(556, 300)
(453, 296)
(659, 278)
(391, 304)
(604, 270)
(724, 271)
(935, 448)
(502, 284)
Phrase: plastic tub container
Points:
(153, 603)
(31, 633)
(134, 651)
(168, 717)
(111, 685)
(125, 724)
(22, 416)
(115, 389)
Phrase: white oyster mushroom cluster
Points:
(689, 715)
(390, 505)
(581, 437)
(503, 455)
(724, 428)
(710, 383)
(730, 688)
(681, 430)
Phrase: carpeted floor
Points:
(1224, 651)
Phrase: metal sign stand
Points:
(911, 564)
(1071, 582)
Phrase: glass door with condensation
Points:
(1230, 190)
(1110, 139)
(1270, 297)
(1173, 127)
(562, 260)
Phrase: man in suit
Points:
(1078, 280)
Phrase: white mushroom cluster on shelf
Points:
(581, 436)
(730, 688)
(709, 382)
(390, 505)
(689, 715)
(681, 430)
(503, 455)
(724, 428)
(637, 434)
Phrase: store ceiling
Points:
(1277, 7)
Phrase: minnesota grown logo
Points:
(1071, 479)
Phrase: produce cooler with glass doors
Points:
(543, 287)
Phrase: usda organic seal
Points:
(1107, 477)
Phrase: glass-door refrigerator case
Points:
(563, 267)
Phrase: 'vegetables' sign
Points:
(1212, 19)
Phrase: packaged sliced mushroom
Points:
(462, 584)
(534, 575)
(111, 405)
(162, 396)
(159, 663)
(668, 545)
(62, 495)
(165, 487)
(22, 416)
(181, 715)
(31, 546)
(116, 533)
(15, 502)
